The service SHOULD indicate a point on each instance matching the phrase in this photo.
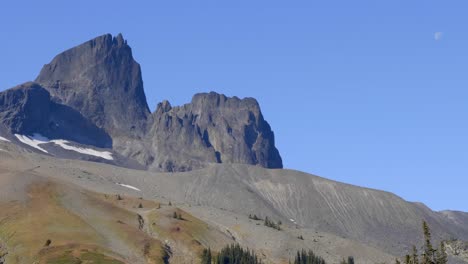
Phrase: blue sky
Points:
(364, 92)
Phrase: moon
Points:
(438, 35)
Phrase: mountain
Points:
(89, 175)
(101, 80)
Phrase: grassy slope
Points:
(112, 223)
(188, 235)
(25, 228)
(97, 228)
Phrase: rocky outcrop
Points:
(25, 108)
(457, 249)
(28, 109)
(98, 87)
(101, 80)
(212, 129)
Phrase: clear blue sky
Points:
(364, 92)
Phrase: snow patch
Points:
(37, 139)
(33, 141)
(128, 186)
(4, 139)
(103, 154)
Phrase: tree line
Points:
(429, 254)
(235, 254)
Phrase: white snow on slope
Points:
(33, 141)
(103, 154)
(129, 186)
(4, 139)
(36, 139)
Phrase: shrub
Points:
(48, 242)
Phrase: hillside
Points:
(335, 219)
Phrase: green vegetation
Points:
(91, 257)
(235, 254)
(267, 222)
(231, 254)
(309, 257)
(272, 224)
(65, 259)
(177, 216)
(206, 257)
(47, 243)
(167, 252)
(254, 217)
(349, 261)
(430, 255)
(69, 257)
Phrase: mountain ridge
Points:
(101, 80)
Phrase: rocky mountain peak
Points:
(213, 128)
(119, 40)
(163, 107)
(102, 81)
(95, 90)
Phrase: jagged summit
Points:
(212, 128)
(101, 84)
(101, 80)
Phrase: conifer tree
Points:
(415, 257)
(407, 259)
(304, 257)
(206, 256)
(235, 254)
(442, 257)
(428, 255)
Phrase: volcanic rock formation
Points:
(98, 87)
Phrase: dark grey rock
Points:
(212, 129)
(28, 109)
(101, 80)
(25, 108)
(97, 88)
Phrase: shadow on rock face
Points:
(28, 109)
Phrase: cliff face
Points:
(100, 84)
(212, 128)
(28, 109)
(101, 80)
